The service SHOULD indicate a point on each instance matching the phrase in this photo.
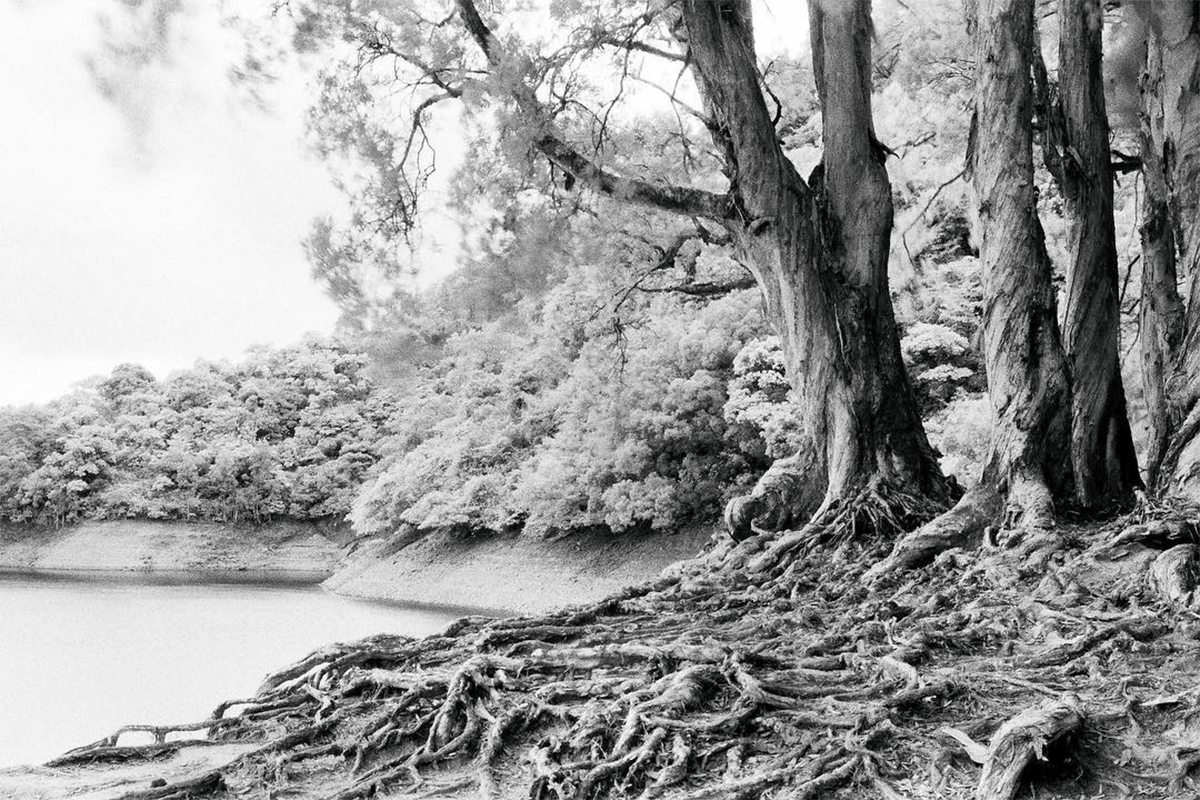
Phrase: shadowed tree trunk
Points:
(1027, 377)
(1102, 454)
(1171, 242)
(819, 250)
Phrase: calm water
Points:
(80, 659)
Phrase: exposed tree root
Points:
(1022, 739)
(765, 668)
(1174, 575)
(976, 510)
(1021, 517)
(785, 496)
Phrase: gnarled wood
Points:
(1022, 739)
(1102, 455)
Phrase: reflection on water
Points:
(80, 659)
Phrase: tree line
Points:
(289, 432)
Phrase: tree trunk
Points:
(819, 253)
(1102, 454)
(1027, 377)
(1171, 235)
(1161, 313)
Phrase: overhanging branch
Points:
(677, 199)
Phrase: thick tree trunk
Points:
(1027, 376)
(1028, 470)
(1171, 235)
(1102, 454)
(819, 253)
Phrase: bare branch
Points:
(702, 289)
(677, 199)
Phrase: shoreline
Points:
(524, 575)
(493, 576)
(139, 548)
(170, 577)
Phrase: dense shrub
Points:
(551, 425)
(287, 433)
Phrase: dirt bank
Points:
(288, 550)
(511, 573)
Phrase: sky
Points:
(158, 242)
(166, 227)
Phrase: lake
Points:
(78, 659)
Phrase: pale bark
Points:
(1161, 312)
(1171, 230)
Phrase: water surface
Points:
(78, 659)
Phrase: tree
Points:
(819, 252)
(1028, 465)
(818, 248)
(1077, 152)
(1027, 376)
(1171, 242)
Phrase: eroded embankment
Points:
(296, 551)
(506, 574)
(520, 574)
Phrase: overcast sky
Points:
(187, 246)
(172, 239)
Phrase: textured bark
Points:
(1161, 312)
(1022, 739)
(1171, 230)
(1027, 376)
(819, 253)
(1102, 454)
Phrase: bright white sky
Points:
(187, 246)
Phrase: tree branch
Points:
(676, 199)
(641, 47)
(704, 288)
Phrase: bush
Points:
(961, 433)
(558, 422)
